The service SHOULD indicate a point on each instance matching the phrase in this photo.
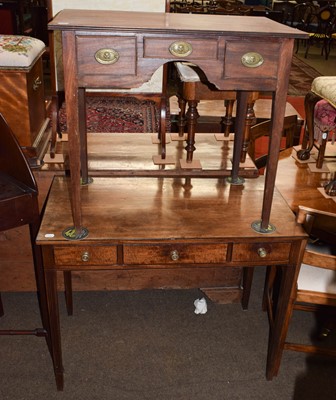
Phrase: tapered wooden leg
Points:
(68, 292)
(55, 332)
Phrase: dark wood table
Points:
(169, 233)
(109, 49)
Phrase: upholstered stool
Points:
(320, 108)
(22, 100)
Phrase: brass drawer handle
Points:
(37, 83)
(180, 49)
(262, 253)
(85, 256)
(174, 255)
(252, 59)
(106, 56)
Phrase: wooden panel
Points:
(22, 103)
(175, 254)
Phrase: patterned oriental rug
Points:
(128, 114)
(301, 77)
(117, 114)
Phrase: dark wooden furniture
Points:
(22, 102)
(168, 233)
(119, 49)
(19, 206)
(162, 228)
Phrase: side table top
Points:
(135, 209)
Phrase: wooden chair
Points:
(316, 283)
(19, 206)
(192, 87)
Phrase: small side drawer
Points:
(106, 55)
(175, 254)
(85, 255)
(235, 51)
(263, 252)
(198, 48)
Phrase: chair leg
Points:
(307, 145)
(321, 150)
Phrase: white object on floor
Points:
(200, 306)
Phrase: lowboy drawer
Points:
(152, 254)
(85, 255)
(248, 52)
(106, 55)
(263, 252)
(181, 48)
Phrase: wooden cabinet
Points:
(22, 103)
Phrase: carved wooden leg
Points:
(308, 141)
(192, 117)
(181, 122)
(250, 120)
(227, 119)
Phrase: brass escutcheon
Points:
(107, 56)
(252, 59)
(37, 83)
(180, 49)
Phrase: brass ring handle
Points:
(252, 59)
(262, 253)
(106, 56)
(37, 83)
(85, 256)
(180, 49)
(174, 255)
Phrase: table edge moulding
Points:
(115, 49)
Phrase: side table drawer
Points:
(85, 255)
(106, 55)
(236, 51)
(261, 252)
(181, 48)
(152, 254)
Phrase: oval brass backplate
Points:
(180, 49)
(252, 59)
(107, 56)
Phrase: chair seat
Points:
(317, 279)
(325, 87)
